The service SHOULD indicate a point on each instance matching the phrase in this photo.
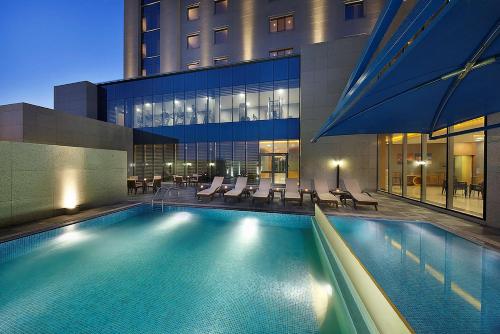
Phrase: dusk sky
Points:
(52, 42)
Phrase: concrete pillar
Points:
(423, 186)
(404, 161)
(170, 35)
(132, 42)
(492, 181)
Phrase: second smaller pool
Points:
(439, 281)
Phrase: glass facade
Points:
(219, 118)
(424, 169)
(276, 160)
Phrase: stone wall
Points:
(325, 69)
(29, 123)
(40, 179)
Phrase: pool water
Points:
(440, 282)
(184, 271)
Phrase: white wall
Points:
(325, 68)
(39, 179)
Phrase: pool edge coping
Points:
(70, 222)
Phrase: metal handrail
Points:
(161, 193)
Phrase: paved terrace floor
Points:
(389, 208)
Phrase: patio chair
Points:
(210, 192)
(194, 179)
(263, 192)
(323, 194)
(292, 191)
(133, 184)
(241, 184)
(358, 196)
(155, 184)
(479, 188)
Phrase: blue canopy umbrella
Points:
(440, 67)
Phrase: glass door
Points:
(274, 166)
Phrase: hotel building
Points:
(233, 87)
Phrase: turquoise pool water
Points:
(440, 282)
(184, 271)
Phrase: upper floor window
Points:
(220, 6)
(193, 12)
(282, 23)
(354, 10)
(281, 52)
(221, 35)
(193, 65)
(193, 41)
(221, 61)
(151, 17)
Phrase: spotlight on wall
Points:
(211, 164)
(337, 163)
(420, 163)
(168, 164)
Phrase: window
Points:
(220, 6)
(442, 171)
(150, 37)
(193, 12)
(193, 65)
(354, 10)
(282, 23)
(151, 44)
(193, 41)
(150, 66)
(281, 52)
(221, 61)
(221, 35)
(151, 17)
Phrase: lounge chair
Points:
(322, 193)
(263, 192)
(241, 184)
(292, 191)
(210, 192)
(359, 197)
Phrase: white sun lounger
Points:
(263, 192)
(359, 197)
(292, 191)
(216, 184)
(323, 194)
(241, 183)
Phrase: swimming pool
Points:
(440, 282)
(188, 270)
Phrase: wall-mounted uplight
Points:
(168, 164)
(211, 164)
(421, 163)
(337, 163)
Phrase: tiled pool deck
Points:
(389, 208)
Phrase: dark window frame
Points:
(218, 30)
(221, 59)
(281, 52)
(193, 35)
(195, 63)
(354, 10)
(190, 7)
(281, 23)
(225, 9)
